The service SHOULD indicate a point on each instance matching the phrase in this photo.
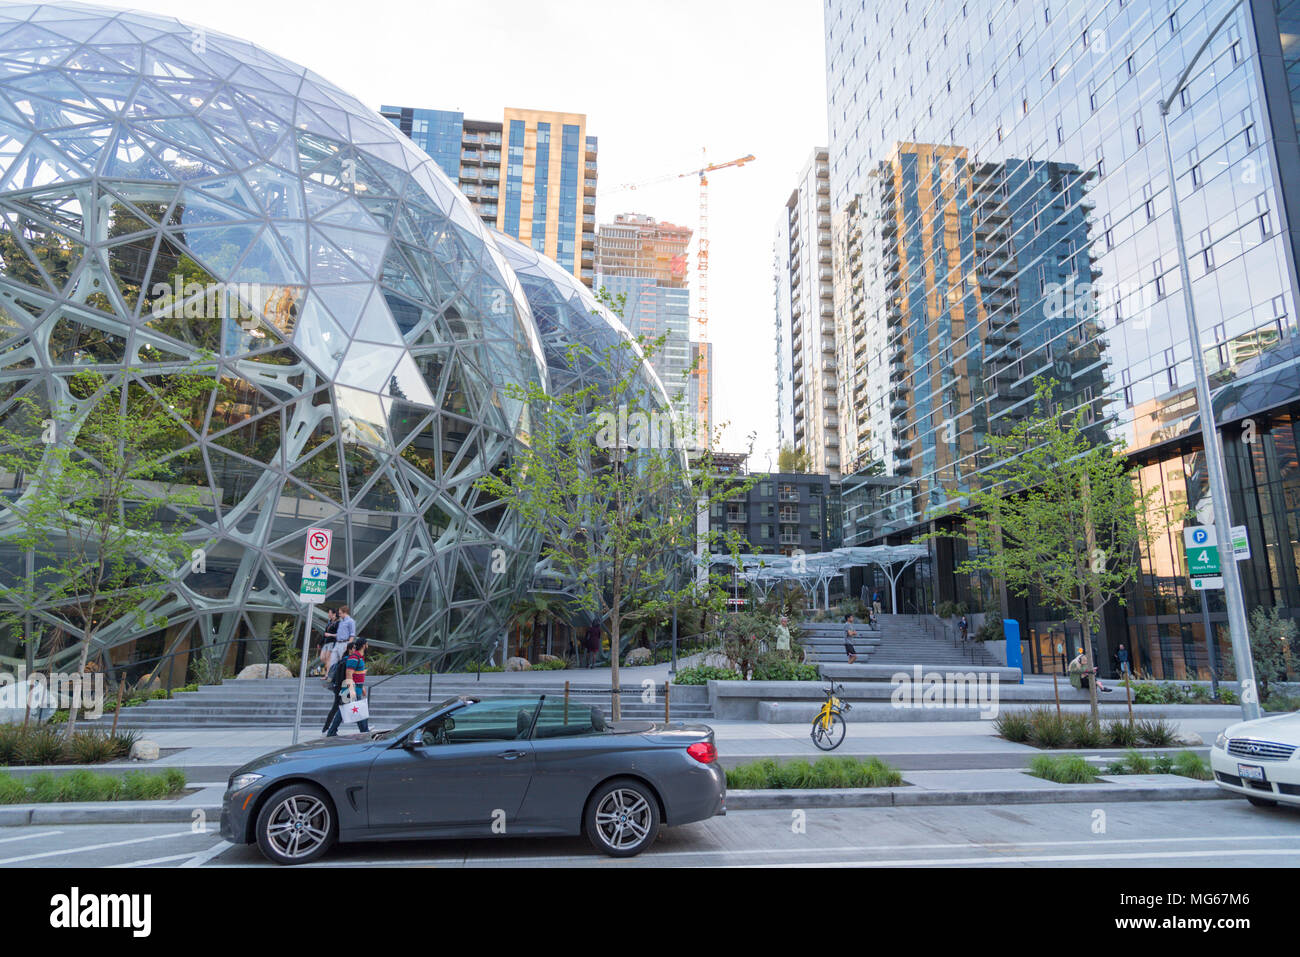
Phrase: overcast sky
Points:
(659, 80)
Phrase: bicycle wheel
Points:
(828, 738)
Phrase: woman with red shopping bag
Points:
(353, 705)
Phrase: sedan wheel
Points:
(622, 818)
(296, 825)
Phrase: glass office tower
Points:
(1002, 213)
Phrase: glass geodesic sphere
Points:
(171, 196)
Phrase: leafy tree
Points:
(1060, 514)
(603, 478)
(791, 460)
(1270, 638)
(96, 503)
(538, 609)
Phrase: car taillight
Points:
(703, 751)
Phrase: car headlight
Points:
(1221, 741)
(241, 781)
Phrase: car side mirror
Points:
(414, 740)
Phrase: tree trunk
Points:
(1088, 666)
(76, 700)
(614, 640)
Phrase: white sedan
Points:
(1260, 760)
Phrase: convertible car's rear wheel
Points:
(622, 818)
(296, 825)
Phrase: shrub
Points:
(704, 674)
(139, 786)
(793, 774)
(827, 772)
(1135, 762)
(1083, 732)
(12, 790)
(386, 664)
(1013, 725)
(1156, 733)
(91, 747)
(990, 630)
(123, 741)
(1063, 769)
(42, 788)
(40, 745)
(9, 738)
(174, 778)
(1047, 728)
(1121, 734)
(1191, 765)
(1282, 702)
(774, 668)
(1228, 696)
(950, 609)
(558, 665)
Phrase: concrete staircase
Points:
(263, 703)
(901, 640)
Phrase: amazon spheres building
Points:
(172, 196)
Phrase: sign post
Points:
(315, 578)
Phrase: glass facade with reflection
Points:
(1002, 212)
(367, 329)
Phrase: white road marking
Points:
(28, 837)
(95, 847)
(198, 860)
(971, 846)
(155, 860)
(1037, 858)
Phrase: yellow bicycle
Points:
(829, 726)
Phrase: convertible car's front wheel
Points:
(296, 825)
(622, 818)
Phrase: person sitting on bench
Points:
(1081, 674)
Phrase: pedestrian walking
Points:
(334, 678)
(326, 650)
(1122, 657)
(354, 680)
(963, 627)
(849, 634)
(343, 636)
(593, 642)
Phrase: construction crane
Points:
(701, 260)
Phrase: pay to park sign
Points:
(1201, 543)
(315, 566)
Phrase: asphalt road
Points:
(1227, 833)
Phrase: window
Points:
(559, 719)
(508, 719)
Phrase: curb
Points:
(917, 797)
(125, 812)
(23, 815)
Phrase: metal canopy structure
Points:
(813, 572)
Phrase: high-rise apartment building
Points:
(1002, 215)
(644, 261)
(807, 383)
(532, 175)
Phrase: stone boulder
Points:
(548, 658)
(260, 671)
(639, 656)
(518, 664)
(144, 750)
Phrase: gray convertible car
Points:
(479, 768)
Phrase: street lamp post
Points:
(1238, 627)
